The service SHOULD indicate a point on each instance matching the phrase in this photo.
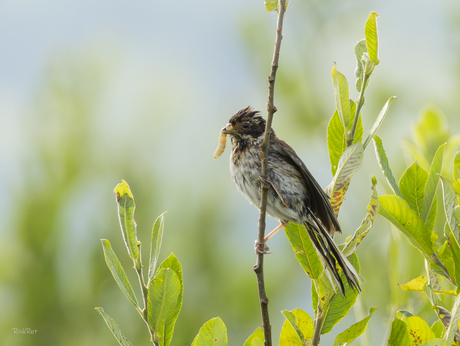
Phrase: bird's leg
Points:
(272, 233)
(268, 236)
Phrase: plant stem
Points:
(258, 268)
(145, 293)
(351, 133)
(318, 326)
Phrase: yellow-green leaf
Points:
(256, 338)
(454, 320)
(412, 186)
(272, 5)
(173, 263)
(334, 306)
(359, 49)
(432, 183)
(118, 272)
(416, 284)
(155, 244)
(164, 293)
(297, 322)
(419, 331)
(304, 250)
(350, 162)
(342, 103)
(399, 335)
(337, 136)
(450, 202)
(212, 333)
(350, 334)
(399, 213)
(370, 32)
(366, 225)
(385, 165)
(114, 328)
(378, 121)
(126, 207)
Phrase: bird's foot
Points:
(264, 251)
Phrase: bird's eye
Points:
(245, 125)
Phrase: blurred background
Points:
(95, 92)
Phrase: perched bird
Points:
(294, 194)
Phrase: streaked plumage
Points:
(294, 196)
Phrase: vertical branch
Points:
(145, 293)
(271, 109)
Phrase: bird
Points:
(294, 194)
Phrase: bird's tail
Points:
(332, 255)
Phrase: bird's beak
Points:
(227, 129)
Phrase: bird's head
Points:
(246, 125)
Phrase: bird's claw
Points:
(264, 251)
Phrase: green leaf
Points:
(126, 207)
(432, 297)
(455, 250)
(114, 328)
(163, 300)
(118, 272)
(359, 49)
(385, 165)
(173, 263)
(400, 214)
(256, 338)
(419, 330)
(336, 141)
(450, 202)
(334, 306)
(399, 335)
(212, 333)
(454, 319)
(297, 322)
(370, 32)
(456, 174)
(435, 342)
(155, 244)
(432, 215)
(446, 257)
(356, 330)
(342, 102)
(404, 313)
(304, 250)
(289, 336)
(432, 184)
(378, 121)
(350, 163)
(337, 137)
(438, 329)
(412, 187)
(272, 5)
(366, 225)
(430, 132)
(416, 284)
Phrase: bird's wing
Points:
(319, 201)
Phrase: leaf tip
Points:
(374, 181)
(121, 189)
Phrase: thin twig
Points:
(258, 268)
(351, 134)
(145, 292)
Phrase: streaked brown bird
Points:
(294, 195)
